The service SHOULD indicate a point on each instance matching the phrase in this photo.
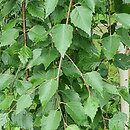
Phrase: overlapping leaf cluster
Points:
(82, 98)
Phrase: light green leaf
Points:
(5, 104)
(95, 80)
(52, 121)
(5, 80)
(90, 4)
(47, 90)
(110, 46)
(8, 37)
(23, 102)
(22, 86)
(110, 88)
(72, 127)
(118, 121)
(91, 106)
(3, 119)
(81, 17)
(124, 19)
(36, 10)
(37, 33)
(23, 120)
(50, 6)
(24, 54)
(76, 111)
(126, 1)
(70, 96)
(62, 37)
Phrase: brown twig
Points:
(60, 63)
(24, 30)
(24, 22)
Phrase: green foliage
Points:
(38, 91)
(51, 122)
(118, 122)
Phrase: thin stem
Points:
(109, 17)
(81, 74)
(24, 22)
(60, 63)
(24, 30)
(68, 15)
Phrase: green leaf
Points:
(5, 104)
(52, 121)
(22, 86)
(8, 6)
(36, 10)
(48, 56)
(70, 96)
(95, 80)
(24, 54)
(23, 102)
(8, 37)
(122, 61)
(5, 80)
(81, 17)
(110, 46)
(3, 119)
(76, 111)
(110, 88)
(37, 33)
(36, 58)
(89, 3)
(47, 90)
(69, 69)
(118, 121)
(91, 106)
(72, 127)
(123, 33)
(124, 19)
(50, 6)
(23, 120)
(125, 94)
(62, 37)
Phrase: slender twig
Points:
(81, 74)
(61, 58)
(104, 122)
(24, 21)
(59, 67)
(109, 17)
(24, 30)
